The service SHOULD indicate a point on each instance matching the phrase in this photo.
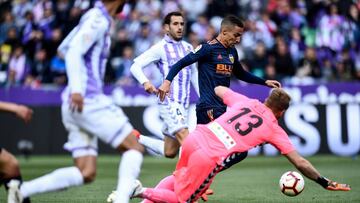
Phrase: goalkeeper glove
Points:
(332, 185)
(204, 196)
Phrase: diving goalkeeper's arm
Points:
(307, 169)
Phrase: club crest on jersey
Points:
(197, 48)
(231, 57)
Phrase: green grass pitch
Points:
(253, 180)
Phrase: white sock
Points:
(59, 179)
(152, 153)
(153, 144)
(129, 170)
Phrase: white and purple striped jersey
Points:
(164, 54)
(85, 50)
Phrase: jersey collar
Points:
(168, 39)
(104, 11)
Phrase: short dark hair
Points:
(232, 20)
(167, 18)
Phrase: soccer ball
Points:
(291, 183)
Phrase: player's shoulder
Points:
(95, 18)
(212, 45)
(158, 47)
(204, 47)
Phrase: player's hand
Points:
(150, 88)
(24, 113)
(273, 83)
(334, 186)
(164, 90)
(77, 102)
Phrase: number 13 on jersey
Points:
(252, 121)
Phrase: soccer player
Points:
(246, 124)
(9, 166)
(217, 61)
(173, 111)
(87, 113)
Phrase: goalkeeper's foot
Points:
(334, 186)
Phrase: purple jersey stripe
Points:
(105, 49)
(178, 57)
(91, 85)
(161, 65)
(187, 77)
(168, 56)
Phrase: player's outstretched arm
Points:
(306, 168)
(21, 111)
(273, 83)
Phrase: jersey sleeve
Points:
(244, 75)
(230, 98)
(79, 42)
(150, 56)
(199, 53)
(90, 29)
(280, 140)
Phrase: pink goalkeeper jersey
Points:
(246, 124)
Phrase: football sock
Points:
(129, 170)
(154, 144)
(160, 195)
(6, 181)
(166, 183)
(152, 153)
(59, 179)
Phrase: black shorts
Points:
(206, 115)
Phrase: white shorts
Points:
(100, 118)
(175, 117)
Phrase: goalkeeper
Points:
(246, 124)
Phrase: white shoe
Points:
(138, 189)
(111, 197)
(14, 195)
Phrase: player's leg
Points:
(83, 148)
(175, 117)
(9, 166)
(182, 134)
(112, 127)
(152, 144)
(62, 178)
(187, 184)
(129, 167)
(191, 177)
(163, 192)
(9, 170)
(171, 147)
(234, 159)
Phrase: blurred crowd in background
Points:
(294, 41)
